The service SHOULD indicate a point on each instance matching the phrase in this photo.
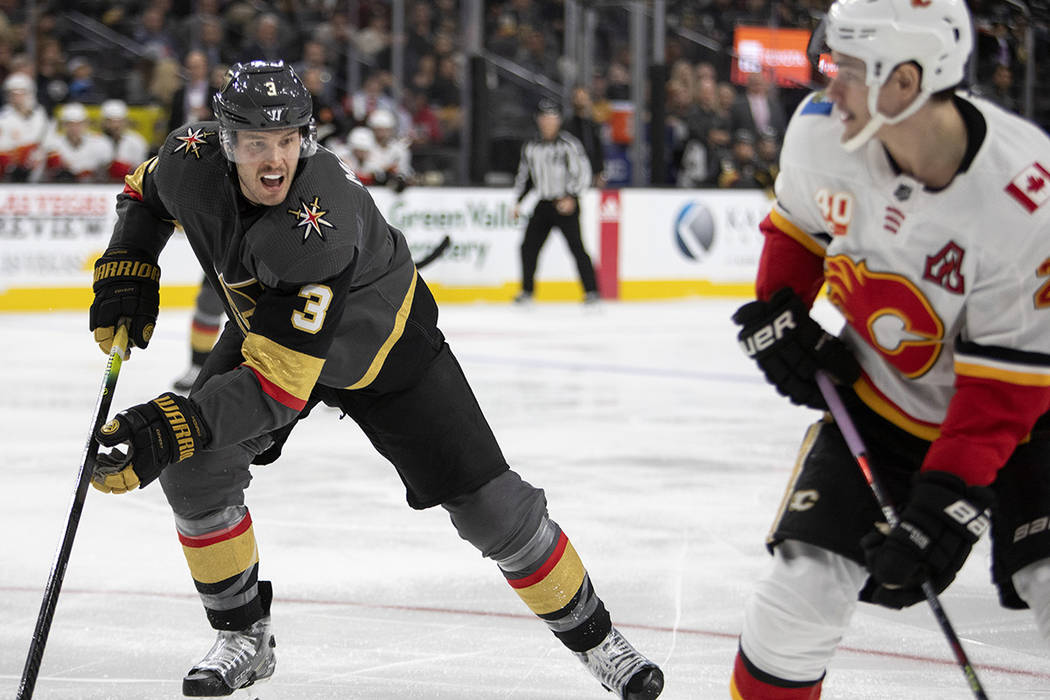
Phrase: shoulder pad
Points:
(817, 103)
(193, 140)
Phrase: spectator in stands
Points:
(211, 41)
(390, 161)
(739, 170)
(758, 108)
(582, 125)
(373, 40)
(329, 117)
(709, 135)
(1000, 89)
(420, 39)
(192, 101)
(74, 153)
(425, 127)
(315, 57)
(265, 43)
(129, 147)
(23, 127)
(192, 28)
(369, 98)
(727, 96)
(767, 159)
(82, 87)
(155, 34)
(51, 79)
(446, 89)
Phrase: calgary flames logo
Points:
(889, 312)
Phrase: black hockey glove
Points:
(789, 347)
(167, 429)
(938, 527)
(127, 285)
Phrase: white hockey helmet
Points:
(936, 34)
(382, 119)
(19, 82)
(361, 138)
(73, 112)
(114, 109)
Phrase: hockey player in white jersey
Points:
(129, 146)
(927, 214)
(75, 153)
(23, 126)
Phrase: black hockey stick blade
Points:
(436, 253)
(76, 507)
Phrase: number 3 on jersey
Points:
(311, 318)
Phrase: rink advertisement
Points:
(644, 243)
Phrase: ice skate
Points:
(236, 660)
(184, 383)
(523, 298)
(622, 670)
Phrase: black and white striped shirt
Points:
(555, 168)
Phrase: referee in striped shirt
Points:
(555, 163)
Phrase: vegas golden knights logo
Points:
(110, 427)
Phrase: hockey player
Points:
(129, 146)
(926, 213)
(327, 306)
(389, 160)
(23, 126)
(75, 153)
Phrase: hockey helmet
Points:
(263, 96)
(936, 34)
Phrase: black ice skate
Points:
(622, 670)
(236, 660)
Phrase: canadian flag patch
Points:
(1031, 187)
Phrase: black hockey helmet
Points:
(264, 95)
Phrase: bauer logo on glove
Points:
(165, 430)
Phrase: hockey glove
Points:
(167, 429)
(789, 347)
(938, 527)
(126, 285)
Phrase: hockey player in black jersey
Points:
(325, 306)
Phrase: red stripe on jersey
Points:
(277, 393)
(132, 192)
(986, 420)
(787, 263)
(542, 572)
(197, 541)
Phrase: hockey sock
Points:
(751, 683)
(550, 578)
(203, 334)
(224, 562)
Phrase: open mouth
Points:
(272, 181)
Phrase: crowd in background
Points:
(70, 73)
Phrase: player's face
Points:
(266, 162)
(549, 125)
(849, 92)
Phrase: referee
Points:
(555, 163)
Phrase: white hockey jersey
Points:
(87, 160)
(21, 135)
(129, 150)
(934, 285)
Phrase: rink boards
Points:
(645, 244)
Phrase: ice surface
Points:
(663, 455)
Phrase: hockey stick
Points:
(58, 568)
(860, 453)
(434, 254)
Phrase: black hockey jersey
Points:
(320, 285)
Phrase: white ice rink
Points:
(663, 455)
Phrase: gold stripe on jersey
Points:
(789, 228)
(395, 334)
(1002, 374)
(876, 402)
(294, 372)
(134, 180)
